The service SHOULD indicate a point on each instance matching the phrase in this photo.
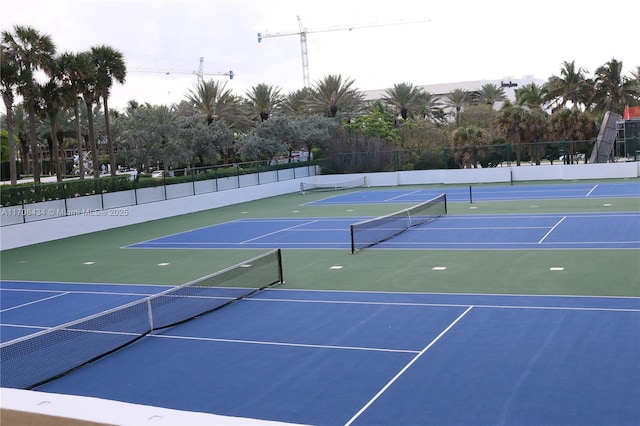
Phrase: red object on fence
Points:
(631, 112)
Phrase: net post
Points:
(444, 195)
(280, 270)
(353, 243)
(150, 314)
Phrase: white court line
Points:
(35, 302)
(406, 367)
(386, 200)
(278, 231)
(551, 230)
(299, 345)
(592, 189)
(453, 305)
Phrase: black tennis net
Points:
(47, 355)
(374, 231)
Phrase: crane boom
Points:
(302, 32)
(200, 73)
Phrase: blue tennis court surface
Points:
(335, 358)
(489, 193)
(546, 231)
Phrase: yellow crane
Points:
(303, 31)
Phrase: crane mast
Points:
(303, 31)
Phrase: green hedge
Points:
(30, 193)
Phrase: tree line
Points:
(69, 110)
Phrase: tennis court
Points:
(502, 311)
(569, 231)
(490, 193)
(366, 358)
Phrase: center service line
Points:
(551, 230)
(406, 367)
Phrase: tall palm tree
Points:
(110, 66)
(613, 91)
(265, 98)
(405, 97)
(332, 94)
(33, 51)
(456, 100)
(87, 82)
(571, 87)
(490, 94)
(73, 67)
(9, 80)
(21, 132)
(53, 97)
(531, 96)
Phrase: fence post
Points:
(444, 158)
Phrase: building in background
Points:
(509, 84)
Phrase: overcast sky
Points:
(460, 40)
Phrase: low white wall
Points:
(92, 216)
(94, 219)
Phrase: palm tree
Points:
(213, 101)
(490, 94)
(332, 94)
(519, 125)
(53, 97)
(9, 80)
(573, 126)
(73, 67)
(531, 96)
(32, 51)
(405, 97)
(431, 107)
(110, 66)
(265, 98)
(571, 87)
(210, 99)
(457, 99)
(613, 91)
(295, 102)
(87, 83)
(635, 76)
(465, 142)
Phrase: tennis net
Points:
(47, 355)
(373, 231)
(333, 186)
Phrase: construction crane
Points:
(303, 31)
(200, 73)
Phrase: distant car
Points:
(160, 174)
(575, 157)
